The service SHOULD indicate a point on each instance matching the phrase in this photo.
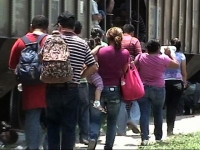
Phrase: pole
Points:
(138, 17)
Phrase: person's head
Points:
(78, 27)
(129, 29)
(114, 37)
(153, 46)
(39, 22)
(66, 20)
(177, 43)
(96, 32)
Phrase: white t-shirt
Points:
(95, 11)
(94, 8)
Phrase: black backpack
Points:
(29, 67)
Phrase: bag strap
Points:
(27, 41)
(40, 38)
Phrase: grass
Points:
(189, 141)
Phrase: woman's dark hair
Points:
(78, 27)
(40, 22)
(153, 46)
(96, 32)
(128, 28)
(177, 43)
(114, 35)
(93, 42)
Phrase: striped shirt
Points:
(80, 54)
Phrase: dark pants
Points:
(62, 108)
(174, 90)
(110, 100)
(83, 112)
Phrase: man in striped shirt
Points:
(63, 99)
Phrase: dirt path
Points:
(183, 125)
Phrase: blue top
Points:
(175, 74)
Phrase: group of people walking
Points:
(95, 86)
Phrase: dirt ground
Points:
(183, 125)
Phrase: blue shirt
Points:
(175, 74)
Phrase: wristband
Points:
(96, 103)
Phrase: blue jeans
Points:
(62, 108)
(33, 130)
(110, 100)
(155, 97)
(123, 116)
(83, 112)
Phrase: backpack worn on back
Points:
(29, 68)
(56, 67)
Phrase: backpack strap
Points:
(25, 40)
(40, 37)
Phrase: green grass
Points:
(189, 141)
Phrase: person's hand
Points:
(185, 85)
(132, 64)
(167, 51)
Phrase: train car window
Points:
(38, 8)
(4, 15)
(20, 17)
(54, 11)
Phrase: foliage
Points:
(189, 141)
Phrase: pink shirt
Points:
(132, 44)
(151, 68)
(111, 63)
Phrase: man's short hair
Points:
(128, 28)
(78, 27)
(66, 20)
(40, 22)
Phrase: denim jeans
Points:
(83, 112)
(154, 97)
(62, 109)
(123, 116)
(110, 100)
(33, 130)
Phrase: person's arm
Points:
(174, 64)
(110, 6)
(96, 49)
(184, 70)
(90, 64)
(138, 48)
(89, 70)
(15, 55)
(128, 62)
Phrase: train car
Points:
(164, 19)
(16, 16)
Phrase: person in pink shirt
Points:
(129, 114)
(113, 62)
(151, 67)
